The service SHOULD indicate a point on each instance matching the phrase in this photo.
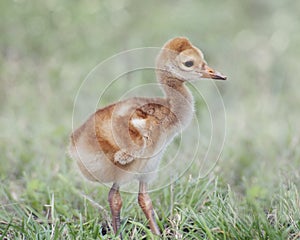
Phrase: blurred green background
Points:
(48, 47)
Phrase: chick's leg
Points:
(115, 203)
(146, 205)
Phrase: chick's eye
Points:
(188, 63)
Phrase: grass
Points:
(201, 209)
(49, 47)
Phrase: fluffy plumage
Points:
(126, 140)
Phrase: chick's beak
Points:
(211, 73)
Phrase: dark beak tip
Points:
(219, 77)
